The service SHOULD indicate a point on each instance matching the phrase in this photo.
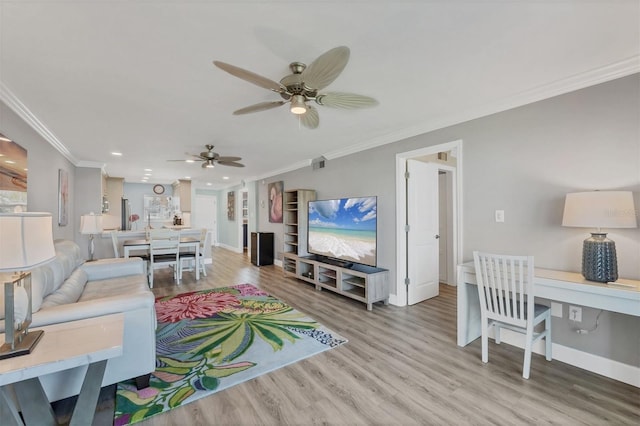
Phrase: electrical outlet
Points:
(556, 309)
(575, 313)
(499, 215)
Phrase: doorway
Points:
(206, 215)
(417, 201)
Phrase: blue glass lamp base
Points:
(599, 262)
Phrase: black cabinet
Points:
(262, 248)
(245, 237)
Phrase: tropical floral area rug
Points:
(207, 341)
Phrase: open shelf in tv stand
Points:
(359, 282)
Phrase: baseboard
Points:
(277, 262)
(230, 248)
(604, 366)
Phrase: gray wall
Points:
(43, 161)
(522, 161)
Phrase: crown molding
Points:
(12, 101)
(91, 164)
(609, 72)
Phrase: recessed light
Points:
(187, 177)
(147, 174)
(148, 170)
(118, 154)
(189, 161)
(225, 177)
(209, 183)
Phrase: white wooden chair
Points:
(114, 241)
(164, 250)
(506, 290)
(187, 258)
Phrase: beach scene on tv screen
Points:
(344, 229)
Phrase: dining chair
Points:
(114, 241)
(164, 250)
(506, 290)
(187, 258)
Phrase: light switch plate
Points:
(499, 215)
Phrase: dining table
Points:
(185, 242)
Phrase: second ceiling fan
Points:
(210, 159)
(303, 86)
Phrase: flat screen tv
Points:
(344, 229)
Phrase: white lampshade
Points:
(600, 209)
(26, 240)
(91, 223)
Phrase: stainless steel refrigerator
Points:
(126, 215)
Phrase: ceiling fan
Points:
(210, 158)
(303, 86)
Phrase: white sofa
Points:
(68, 289)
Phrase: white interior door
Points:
(206, 215)
(443, 209)
(422, 237)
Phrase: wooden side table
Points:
(64, 346)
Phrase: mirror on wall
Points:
(13, 176)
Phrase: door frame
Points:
(400, 297)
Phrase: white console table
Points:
(559, 286)
(63, 346)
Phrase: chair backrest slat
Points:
(505, 286)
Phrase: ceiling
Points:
(137, 76)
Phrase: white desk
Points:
(64, 346)
(568, 287)
(143, 244)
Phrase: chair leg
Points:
(527, 352)
(485, 341)
(203, 268)
(547, 337)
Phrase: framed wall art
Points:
(63, 197)
(275, 201)
(231, 202)
(13, 176)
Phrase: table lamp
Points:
(26, 241)
(599, 209)
(91, 224)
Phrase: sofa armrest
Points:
(95, 308)
(110, 268)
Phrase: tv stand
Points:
(359, 282)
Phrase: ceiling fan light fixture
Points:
(297, 104)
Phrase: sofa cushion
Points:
(114, 286)
(69, 292)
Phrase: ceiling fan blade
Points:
(251, 77)
(230, 163)
(259, 107)
(326, 68)
(310, 119)
(345, 100)
(219, 159)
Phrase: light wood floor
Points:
(401, 366)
